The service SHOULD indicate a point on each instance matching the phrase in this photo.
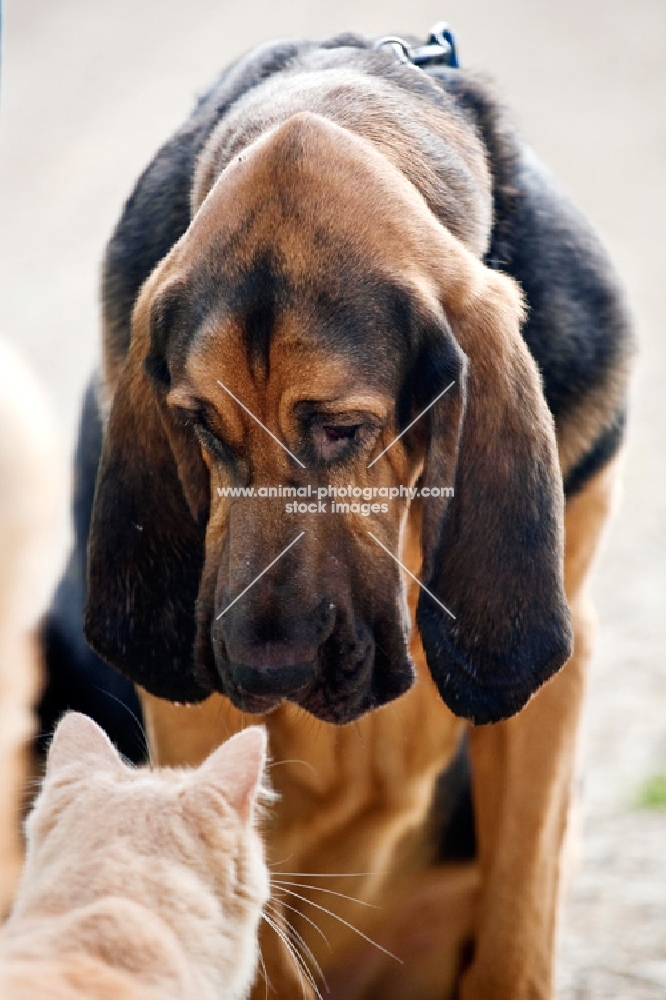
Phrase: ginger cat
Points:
(139, 883)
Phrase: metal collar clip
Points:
(439, 50)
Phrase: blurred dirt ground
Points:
(89, 89)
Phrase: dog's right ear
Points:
(146, 544)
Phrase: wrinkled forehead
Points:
(307, 244)
(257, 314)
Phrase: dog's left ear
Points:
(147, 533)
(492, 554)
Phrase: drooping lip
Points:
(312, 698)
(264, 704)
(338, 693)
(254, 704)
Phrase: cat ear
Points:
(237, 769)
(78, 739)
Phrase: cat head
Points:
(181, 842)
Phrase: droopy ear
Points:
(237, 769)
(78, 739)
(146, 545)
(494, 557)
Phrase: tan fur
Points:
(138, 883)
(521, 874)
(32, 545)
(583, 426)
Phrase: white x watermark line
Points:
(395, 439)
(276, 439)
(259, 576)
(414, 578)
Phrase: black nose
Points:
(270, 680)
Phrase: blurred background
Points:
(90, 89)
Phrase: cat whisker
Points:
(276, 763)
(346, 923)
(318, 929)
(327, 874)
(276, 863)
(273, 925)
(226, 721)
(141, 727)
(305, 948)
(329, 892)
(264, 973)
(299, 961)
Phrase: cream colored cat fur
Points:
(138, 883)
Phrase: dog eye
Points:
(335, 432)
(211, 441)
(334, 442)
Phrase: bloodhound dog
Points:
(345, 269)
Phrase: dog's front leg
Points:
(522, 784)
(523, 775)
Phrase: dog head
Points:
(316, 327)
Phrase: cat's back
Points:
(73, 977)
(112, 948)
